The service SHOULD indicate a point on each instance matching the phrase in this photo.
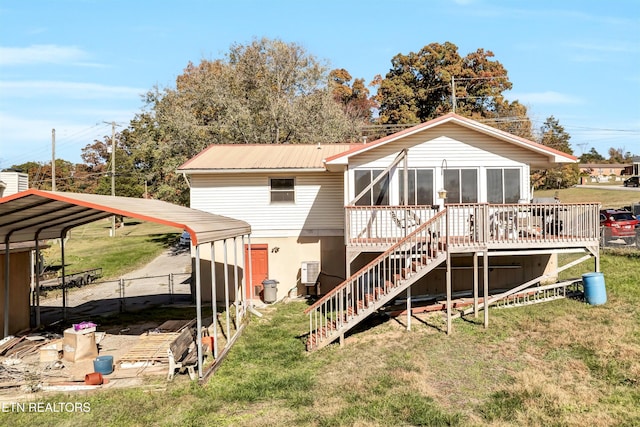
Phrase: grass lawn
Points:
(136, 243)
(562, 363)
(606, 196)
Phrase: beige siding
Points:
(318, 207)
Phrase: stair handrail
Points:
(392, 248)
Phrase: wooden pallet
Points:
(150, 348)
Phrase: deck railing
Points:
(377, 282)
(472, 225)
(375, 225)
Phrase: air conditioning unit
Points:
(309, 272)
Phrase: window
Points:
(378, 195)
(461, 185)
(420, 187)
(503, 185)
(282, 190)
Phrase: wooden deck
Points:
(471, 227)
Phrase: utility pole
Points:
(453, 93)
(53, 160)
(113, 173)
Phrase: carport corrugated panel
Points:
(23, 214)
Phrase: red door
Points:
(259, 263)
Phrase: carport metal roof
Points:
(38, 214)
(35, 215)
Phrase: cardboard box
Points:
(79, 346)
(51, 351)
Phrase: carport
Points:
(37, 215)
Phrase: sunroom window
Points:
(461, 185)
(419, 186)
(378, 195)
(503, 186)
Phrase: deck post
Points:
(485, 283)
(475, 285)
(409, 308)
(448, 249)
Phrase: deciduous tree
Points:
(267, 91)
(419, 86)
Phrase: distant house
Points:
(604, 169)
(339, 218)
(12, 182)
(635, 166)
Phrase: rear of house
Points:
(294, 205)
(320, 213)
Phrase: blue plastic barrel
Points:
(595, 292)
(103, 364)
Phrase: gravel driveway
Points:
(143, 287)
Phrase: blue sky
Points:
(73, 65)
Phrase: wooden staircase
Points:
(377, 283)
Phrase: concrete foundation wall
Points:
(285, 257)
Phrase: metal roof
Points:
(38, 214)
(263, 157)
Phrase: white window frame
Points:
(273, 191)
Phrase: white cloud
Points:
(547, 98)
(40, 54)
(69, 90)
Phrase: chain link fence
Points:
(616, 238)
(112, 296)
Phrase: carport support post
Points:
(250, 299)
(198, 312)
(243, 283)
(38, 267)
(226, 289)
(214, 302)
(64, 279)
(6, 286)
(235, 279)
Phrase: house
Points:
(366, 217)
(602, 171)
(12, 182)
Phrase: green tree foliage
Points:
(265, 92)
(419, 85)
(592, 157)
(554, 136)
(97, 156)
